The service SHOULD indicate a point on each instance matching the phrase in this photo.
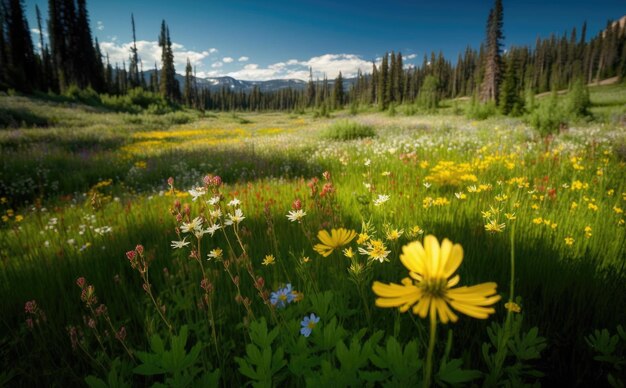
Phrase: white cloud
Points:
(329, 64)
(410, 56)
(100, 25)
(217, 65)
(149, 52)
(212, 50)
(243, 59)
(227, 59)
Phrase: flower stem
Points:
(431, 348)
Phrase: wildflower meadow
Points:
(292, 249)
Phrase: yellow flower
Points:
(269, 259)
(333, 240)
(348, 252)
(305, 259)
(510, 216)
(494, 227)
(513, 307)
(569, 241)
(19, 218)
(363, 238)
(394, 234)
(415, 231)
(587, 231)
(592, 206)
(375, 250)
(429, 290)
(538, 220)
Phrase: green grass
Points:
(348, 130)
(91, 169)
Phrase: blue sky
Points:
(255, 39)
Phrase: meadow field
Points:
(227, 249)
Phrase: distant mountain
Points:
(216, 83)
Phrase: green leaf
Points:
(452, 373)
(94, 382)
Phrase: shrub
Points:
(478, 111)
(348, 130)
(578, 101)
(429, 96)
(87, 96)
(549, 117)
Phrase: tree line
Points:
(71, 58)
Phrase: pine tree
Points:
(3, 55)
(383, 81)
(310, 90)
(133, 68)
(168, 85)
(188, 88)
(338, 93)
(510, 100)
(22, 65)
(493, 61)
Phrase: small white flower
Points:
(296, 215)
(427, 185)
(217, 213)
(367, 162)
(214, 201)
(180, 244)
(212, 229)
(236, 218)
(382, 198)
(234, 203)
(71, 241)
(197, 192)
(193, 226)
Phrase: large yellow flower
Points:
(333, 240)
(429, 288)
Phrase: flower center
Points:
(434, 287)
(311, 325)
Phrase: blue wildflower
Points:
(308, 324)
(282, 297)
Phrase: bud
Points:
(130, 255)
(236, 280)
(170, 181)
(217, 181)
(30, 307)
(260, 282)
(146, 287)
(326, 175)
(139, 249)
(91, 323)
(80, 282)
(101, 310)
(177, 204)
(121, 334)
(179, 218)
(296, 205)
(208, 180)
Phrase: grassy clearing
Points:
(91, 185)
